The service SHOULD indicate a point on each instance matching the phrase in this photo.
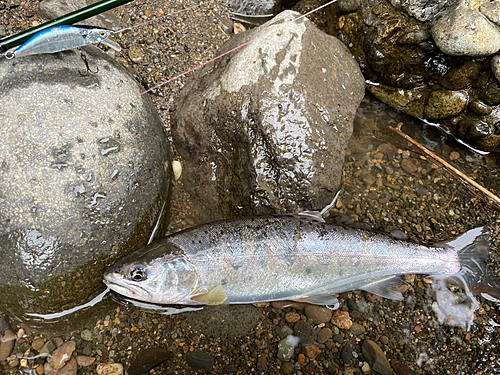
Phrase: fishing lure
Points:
(61, 38)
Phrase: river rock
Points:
(82, 182)
(422, 10)
(406, 70)
(265, 128)
(51, 9)
(7, 341)
(492, 11)
(376, 357)
(462, 31)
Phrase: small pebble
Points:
(86, 335)
(38, 344)
(84, 361)
(454, 155)
(324, 335)
(312, 351)
(287, 368)
(61, 355)
(7, 341)
(200, 360)
(292, 317)
(341, 319)
(109, 369)
(376, 357)
(318, 314)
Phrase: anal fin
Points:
(213, 296)
(385, 288)
(320, 300)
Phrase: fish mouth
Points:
(132, 291)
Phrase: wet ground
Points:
(385, 188)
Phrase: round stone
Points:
(84, 176)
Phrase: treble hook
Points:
(84, 58)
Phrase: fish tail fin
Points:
(473, 248)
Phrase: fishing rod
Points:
(113, 107)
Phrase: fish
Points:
(294, 258)
(61, 38)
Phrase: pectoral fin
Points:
(385, 288)
(213, 296)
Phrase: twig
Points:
(445, 163)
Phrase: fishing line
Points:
(112, 108)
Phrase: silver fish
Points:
(259, 259)
(60, 38)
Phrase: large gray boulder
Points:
(84, 177)
(264, 129)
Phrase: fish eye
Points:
(102, 34)
(138, 274)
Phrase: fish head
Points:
(167, 277)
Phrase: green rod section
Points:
(68, 19)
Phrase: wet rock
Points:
(473, 129)
(341, 319)
(148, 359)
(480, 108)
(63, 207)
(239, 125)
(400, 368)
(495, 66)
(7, 341)
(422, 10)
(444, 103)
(51, 9)
(61, 355)
(200, 360)
(286, 347)
(376, 357)
(324, 335)
(318, 314)
(305, 332)
(462, 31)
(109, 369)
(491, 9)
(411, 101)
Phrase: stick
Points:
(445, 163)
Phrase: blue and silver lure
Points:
(61, 38)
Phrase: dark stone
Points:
(346, 354)
(480, 108)
(376, 357)
(257, 141)
(200, 360)
(287, 368)
(401, 368)
(305, 332)
(262, 363)
(473, 129)
(4, 323)
(148, 359)
(64, 217)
